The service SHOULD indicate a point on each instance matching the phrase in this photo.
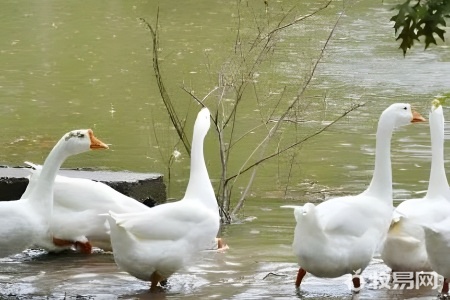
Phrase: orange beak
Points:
(417, 117)
(95, 142)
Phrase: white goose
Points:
(437, 244)
(340, 235)
(153, 244)
(78, 204)
(404, 248)
(24, 221)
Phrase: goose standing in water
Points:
(25, 221)
(404, 248)
(340, 235)
(154, 244)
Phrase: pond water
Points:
(67, 66)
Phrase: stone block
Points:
(148, 188)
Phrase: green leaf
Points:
(420, 19)
(440, 100)
(440, 33)
(429, 39)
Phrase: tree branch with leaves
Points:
(420, 21)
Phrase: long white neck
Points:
(438, 184)
(199, 186)
(42, 194)
(381, 184)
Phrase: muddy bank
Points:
(148, 188)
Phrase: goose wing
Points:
(171, 221)
(350, 216)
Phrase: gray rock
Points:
(148, 188)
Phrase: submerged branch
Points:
(300, 19)
(354, 107)
(250, 56)
(314, 68)
(273, 274)
(274, 129)
(162, 89)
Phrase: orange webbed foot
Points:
(85, 248)
(221, 245)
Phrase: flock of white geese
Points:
(334, 238)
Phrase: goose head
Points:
(436, 117)
(400, 114)
(202, 123)
(436, 106)
(81, 140)
(307, 212)
(308, 209)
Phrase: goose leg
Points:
(221, 245)
(79, 246)
(85, 248)
(444, 290)
(301, 273)
(155, 278)
(356, 283)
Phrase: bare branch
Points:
(162, 90)
(273, 274)
(291, 166)
(297, 99)
(300, 19)
(268, 36)
(278, 103)
(354, 107)
(214, 119)
(237, 43)
(234, 78)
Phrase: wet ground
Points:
(258, 265)
(35, 274)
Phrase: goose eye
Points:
(81, 135)
(405, 108)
